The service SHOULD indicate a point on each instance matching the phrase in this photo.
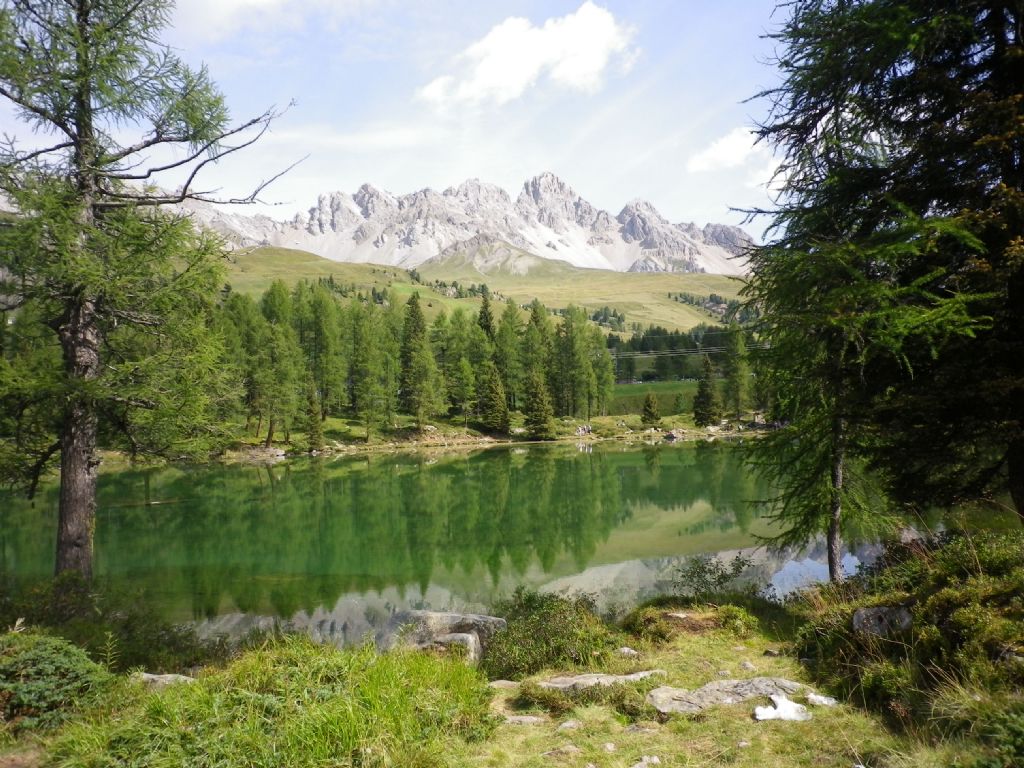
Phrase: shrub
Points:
(736, 620)
(545, 631)
(43, 679)
(648, 623)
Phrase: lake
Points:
(337, 546)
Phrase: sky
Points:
(623, 99)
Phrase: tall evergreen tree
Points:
(421, 392)
(83, 245)
(736, 372)
(650, 414)
(536, 348)
(856, 280)
(706, 408)
(367, 379)
(491, 399)
(485, 318)
(537, 408)
(463, 389)
(506, 351)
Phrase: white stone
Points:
(784, 709)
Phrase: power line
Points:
(677, 352)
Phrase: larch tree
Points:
(856, 282)
(87, 245)
(420, 385)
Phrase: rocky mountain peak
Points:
(640, 208)
(548, 220)
(372, 201)
(551, 202)
(477, 195)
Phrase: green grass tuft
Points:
(298, 704)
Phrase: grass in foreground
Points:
(293, 703)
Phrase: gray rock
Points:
(647, 760)
(159, 682)
(524, 720)
(773, 652)
(570, 725)
(640, 729)
(817, 700)
(503, 685)
(427, 629)
(669, 700)
(748, 666)
(882, 620)
(577, 682)
(628, 652)
(568, 749)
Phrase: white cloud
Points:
(573, 51)
(730, 151)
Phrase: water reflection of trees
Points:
(300, 535)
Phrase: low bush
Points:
(298, 704)
(43, 679)
(545, 631)
(648, 623)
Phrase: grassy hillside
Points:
(252, 271)
(642, 296)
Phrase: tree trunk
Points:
(834, 539)
(1015, 474)
(79, 337)
(270, 434)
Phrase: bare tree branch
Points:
(36, 470)
(36, 110)
(37, 153)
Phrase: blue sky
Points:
(623, 99)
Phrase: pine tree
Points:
(679, 404)
(463, 389)
(506, 351)
(736, 372)
(314, 418)
(491, 399)
(537, 408)
(650, 413)
(485, 318)
(706, 408)
(421, 392)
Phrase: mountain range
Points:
(480, 223)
